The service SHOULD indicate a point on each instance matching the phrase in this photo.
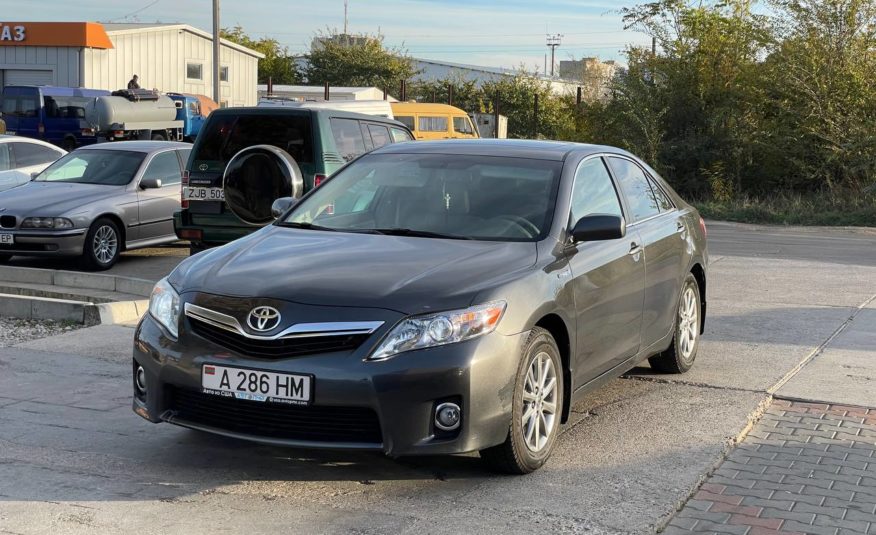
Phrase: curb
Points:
(84, 311)
(81, 312)
(76, 279)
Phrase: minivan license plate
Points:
(194, 193)
(7, 239)
(256, 385)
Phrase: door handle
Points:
(679, 226)
(635, 248)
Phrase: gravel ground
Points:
(16, 331)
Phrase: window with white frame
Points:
(194, 71)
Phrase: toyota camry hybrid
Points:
(431, 298)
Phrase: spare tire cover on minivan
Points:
(257, 176)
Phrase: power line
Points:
(131, 14)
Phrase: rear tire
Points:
(196, 247)
(157, 137)
(536, 409)
(682, 352)
(69, 144)
(103, 245)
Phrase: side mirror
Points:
(150, 183)
(34, 175)
(282, 204)
(599, 227)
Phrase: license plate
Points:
(7, 239)
(195, 193)
(9, 133)
(256, 385)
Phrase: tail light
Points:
(88, 132)
(318, 179)
(183, 202)
(41, 128)
(703, 226)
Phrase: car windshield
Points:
(436, 196)
(106, 167)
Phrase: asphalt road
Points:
(74, 458)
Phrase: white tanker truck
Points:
(136, 114)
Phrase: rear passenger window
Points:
(5, 157)
(379, 135)
(406, 120)
(348, 138)
(636, 188)
(663, 200)
(432, 124)
(399, 135)
(27, 154)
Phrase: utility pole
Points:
(553, 41)
(345, 17)
(217, 47)
(653, 46)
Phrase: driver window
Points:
(164, 166)
(593, 191)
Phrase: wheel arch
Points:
(557, 327)
(119, 223)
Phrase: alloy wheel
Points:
(688, 323)
(105, 244)
(539, 402)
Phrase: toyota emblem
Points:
(203, 167)
(263, 319)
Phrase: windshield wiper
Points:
(306, 226)
(418, 233)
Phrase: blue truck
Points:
(71, 117)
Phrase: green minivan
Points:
(319, 141)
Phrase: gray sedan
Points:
(95, 203)
(431, 298)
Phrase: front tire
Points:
(682, 352)
(103, 245)
(4, 258)
(157, 137)
(536, 410)
(196, 247)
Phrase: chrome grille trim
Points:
(299, 330)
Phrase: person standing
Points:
(134, 83)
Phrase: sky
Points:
(503, 33)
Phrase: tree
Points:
(343, 61)
(278, 64)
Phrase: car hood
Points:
(54, 198)
(406, 274)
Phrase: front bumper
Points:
(402, 391)
(45, 243)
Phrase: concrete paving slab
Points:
(109, 342)
(753, 345)
(795, 282)
(845, 372)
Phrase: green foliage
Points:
(738, 104)
(365, 63)
(278, 64)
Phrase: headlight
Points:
(47, 222)
(439, 329)
(164, 306)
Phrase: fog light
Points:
(447, 416)
(140, 381)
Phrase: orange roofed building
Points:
(167, 57)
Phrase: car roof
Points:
(137, 146)
(425, 107)
(6, 138)
(508, 148)
(295, 110)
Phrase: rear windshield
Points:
(226, 135)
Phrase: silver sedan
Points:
(96, 202)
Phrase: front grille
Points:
(275, 349)
(7, 221)
(275, 420)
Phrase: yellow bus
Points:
(434, 121)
